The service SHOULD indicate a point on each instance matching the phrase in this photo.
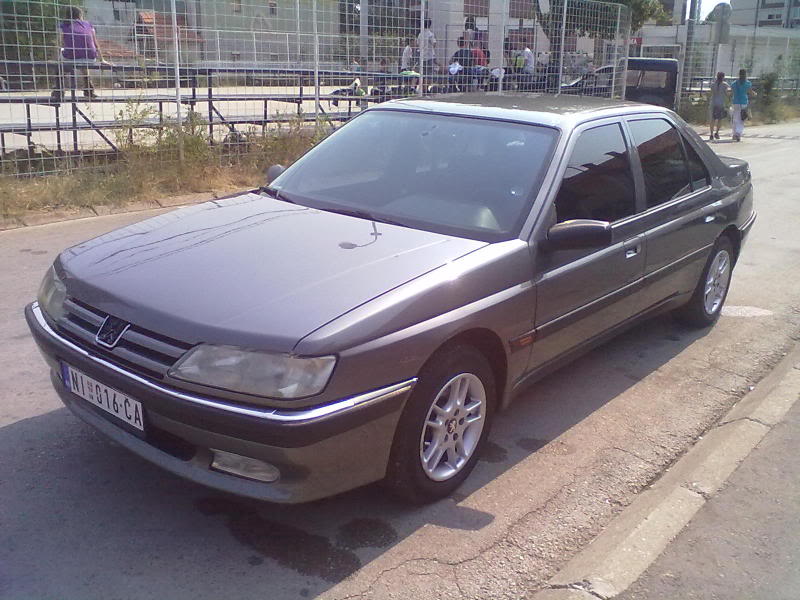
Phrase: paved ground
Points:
(745, 542)
(83, 519)
(121, 109)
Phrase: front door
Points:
(582, 293)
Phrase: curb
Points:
(36, 218)
(638, 535)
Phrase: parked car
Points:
(648, 80)
(365, 315)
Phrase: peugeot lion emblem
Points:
(111, 331)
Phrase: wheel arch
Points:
(488, 343)
(734, 235)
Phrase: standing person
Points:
(717, 105)
(79, 49)
(407, 58)
(461, 67)
(528, 61)
(426, 42)
(742, 90)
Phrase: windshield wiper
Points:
(275, 193)
(362, 214)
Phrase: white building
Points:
(766, 13)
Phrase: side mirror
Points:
(273, 172)
(579, 233)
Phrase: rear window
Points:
(632, 78)
(665, 171)
(457, 175)
(655, 79)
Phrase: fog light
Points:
(244, 466)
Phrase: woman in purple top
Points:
(79, 48)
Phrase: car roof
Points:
(563, 111)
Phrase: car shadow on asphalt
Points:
(79, 500)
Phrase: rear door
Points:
(581, 293)
(679, 210)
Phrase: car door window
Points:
(697, 168)
(666, 175)
(597, 183)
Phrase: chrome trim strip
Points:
(268, 414)
(749, 223)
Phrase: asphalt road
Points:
(80, 518)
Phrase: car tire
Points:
(455, 384)
(705, 305)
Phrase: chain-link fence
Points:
(84, 81)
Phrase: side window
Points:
(665, 173)
(604, 77)
(697, 168)
(597, 183)
(654, 79)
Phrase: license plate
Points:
(110, 400)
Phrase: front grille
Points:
(145, 352)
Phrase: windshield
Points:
(461, 176)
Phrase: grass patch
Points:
(147, 168)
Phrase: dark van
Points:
(649, 80)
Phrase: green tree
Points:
(30, 28)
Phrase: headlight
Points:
(253, 372)
(52, 294)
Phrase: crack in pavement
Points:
(504, 539)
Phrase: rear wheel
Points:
(705, 306)
(443, 427)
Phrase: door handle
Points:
(709, 218)
(631, 252)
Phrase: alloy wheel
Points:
(453, 427)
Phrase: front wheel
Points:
(705, 306)
(443, 427)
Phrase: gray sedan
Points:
(365, 315)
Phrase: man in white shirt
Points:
(426, 42)
(529, 65)
(407, 58)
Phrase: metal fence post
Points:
(614, 81)
(503, 25)
(316, 61)
(563, 45)
(419, 47)
(297, 33)
(175, 42)
(363, 31)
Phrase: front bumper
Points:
(319, 451)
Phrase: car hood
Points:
(249, 270)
